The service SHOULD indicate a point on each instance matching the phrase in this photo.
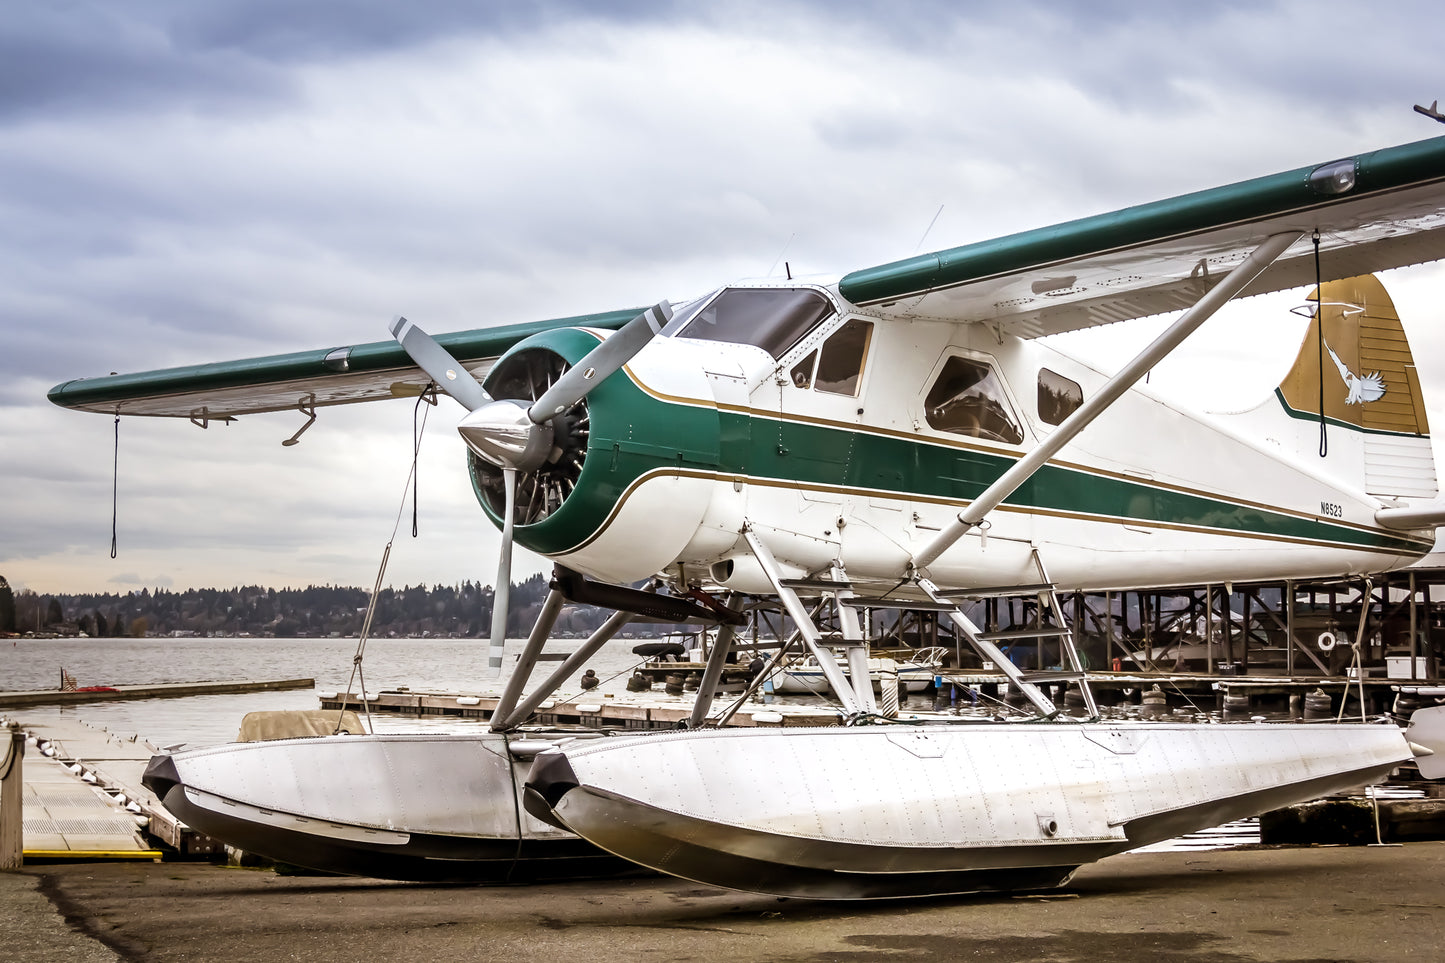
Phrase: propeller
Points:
(517, 436)
(600, 363)
(436, 361)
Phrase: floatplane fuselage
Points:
(898, 437)
(864, 466)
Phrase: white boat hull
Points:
(410, 807)
(901, 810)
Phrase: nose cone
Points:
(551, 778)
(502, 433)
(161, 775)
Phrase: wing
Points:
(1379, 210)
(335, 376)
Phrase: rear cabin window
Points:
(838, 366)
(774, 319)
(1059, 397)
(968, 399)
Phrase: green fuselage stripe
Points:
(634, 433)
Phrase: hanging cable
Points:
(416, 432)
(357, 675)
(115, 487)
(1320, 344)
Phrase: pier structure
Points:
(591, 711)
(1369, 644)
(1390, 626)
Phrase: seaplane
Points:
(897, 437)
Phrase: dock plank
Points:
(169, 690)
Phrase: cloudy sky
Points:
(185, 182)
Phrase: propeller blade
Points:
(600, 363)
(447, 372)
(502, 588)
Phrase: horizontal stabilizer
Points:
(1425, 515)
(1427, 732)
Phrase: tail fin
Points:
(1355, 363)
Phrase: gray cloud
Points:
(188, 182)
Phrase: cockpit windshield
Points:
(774, 319)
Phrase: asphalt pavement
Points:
(1284, 905)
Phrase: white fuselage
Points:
(1149, 494)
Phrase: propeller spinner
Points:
(517, 436)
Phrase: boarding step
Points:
(997, 591)
(1053, 675)
(1040, 632)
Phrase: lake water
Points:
(455, 665)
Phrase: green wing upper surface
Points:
(1375, 211)
(331, 376)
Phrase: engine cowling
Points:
(632, 465)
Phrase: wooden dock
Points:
(169, 690)
(602, 711)
(1205, 692)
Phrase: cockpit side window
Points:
(840, 366)
(1059, 397)
(802, 372)
(968, 399)
(774, 319)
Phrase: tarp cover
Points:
(296, 724)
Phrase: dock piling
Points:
(12, 798)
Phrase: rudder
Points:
(1355, 363)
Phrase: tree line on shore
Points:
(463, 611)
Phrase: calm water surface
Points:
(443, 664)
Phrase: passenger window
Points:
(840, 366)
(968, 399)
(1058, 397)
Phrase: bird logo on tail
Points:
(1365, 389)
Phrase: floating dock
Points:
(83, 797)
(167, 690)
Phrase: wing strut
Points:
(513, 717)
(812, 638)
(974, 637)
(712, 674)
(1232, 283)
